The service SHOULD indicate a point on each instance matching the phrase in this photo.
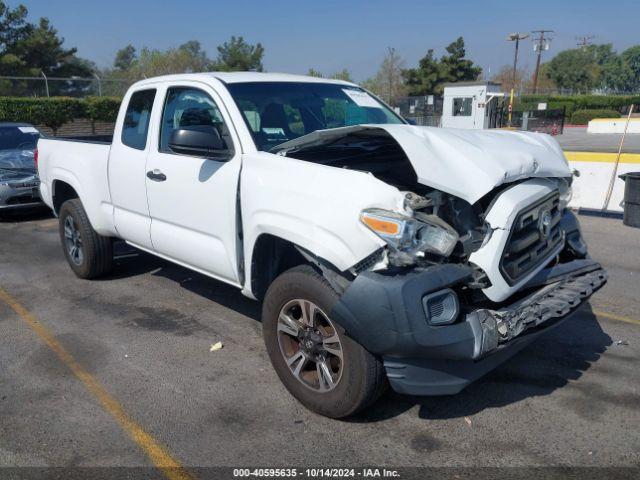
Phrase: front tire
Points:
(89, 254)
(322, 367)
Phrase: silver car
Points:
(19, 183)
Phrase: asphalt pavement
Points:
(112, 372)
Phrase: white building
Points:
(471, 105)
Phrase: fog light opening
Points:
(441, 307)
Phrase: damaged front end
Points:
(464, 280)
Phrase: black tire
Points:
(362, 380)
(97, 251)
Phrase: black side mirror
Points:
(199, 141)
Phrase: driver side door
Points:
(192, 198)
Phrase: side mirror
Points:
(199, 141)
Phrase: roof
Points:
(244, 77)
(472, 83)
(15, 124)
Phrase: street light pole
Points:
(515, 37)
(46, 82)
(99, 84)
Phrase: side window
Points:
(187, 107)
(462, 106)
(136, 120)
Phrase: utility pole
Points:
(540, 43)
(515, 37)
(585, 40)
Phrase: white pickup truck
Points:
(383, 253)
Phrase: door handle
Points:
(156, 175)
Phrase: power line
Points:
(540, 43)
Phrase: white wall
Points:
(596, 169)
(611, 125)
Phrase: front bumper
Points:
(384, 313)
(12, 197)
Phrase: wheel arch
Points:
(273, 255)
(61, 192)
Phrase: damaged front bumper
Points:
(386, 314)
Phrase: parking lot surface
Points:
(143, 337)
(577, 139)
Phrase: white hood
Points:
(465, 163)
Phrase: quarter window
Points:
(187, 107)
(136, 120)
(462, 106)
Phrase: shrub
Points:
(52, 112)
(582, 117)
(579, 102)
(101, 109)
(56, 111)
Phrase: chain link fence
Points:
(421, 110)
(14, 86)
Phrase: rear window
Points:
(136, 120)
(18, 138)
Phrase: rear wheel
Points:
(318, 363)
(89, 254)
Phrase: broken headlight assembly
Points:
(566, 192)
(410, 238)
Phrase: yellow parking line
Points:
(604, 157)
(158, 454)
(619, 318)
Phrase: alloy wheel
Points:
(310, 345)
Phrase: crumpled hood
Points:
(465, 163)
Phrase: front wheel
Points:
(317, 362)
(88, 253)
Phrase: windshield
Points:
(276, 112)
(17, 144)
(18, 138)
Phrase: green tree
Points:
(125, 57)
(151, 63)
(631, 58)
(455, 67)
(575, 69)
(28, 49)
(13, 25)
(423, 80)
(617, 75)
(42, 50)
(238, 55)
(343, 74)
(545, 84)
(432, 74)
(312, 72)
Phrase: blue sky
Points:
(331, 35)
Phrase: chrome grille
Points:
(535, 235)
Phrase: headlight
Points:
(408, 235)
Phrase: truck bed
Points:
(100, 139)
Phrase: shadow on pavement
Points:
(130, 262)
(557, 357)
(26, 214)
